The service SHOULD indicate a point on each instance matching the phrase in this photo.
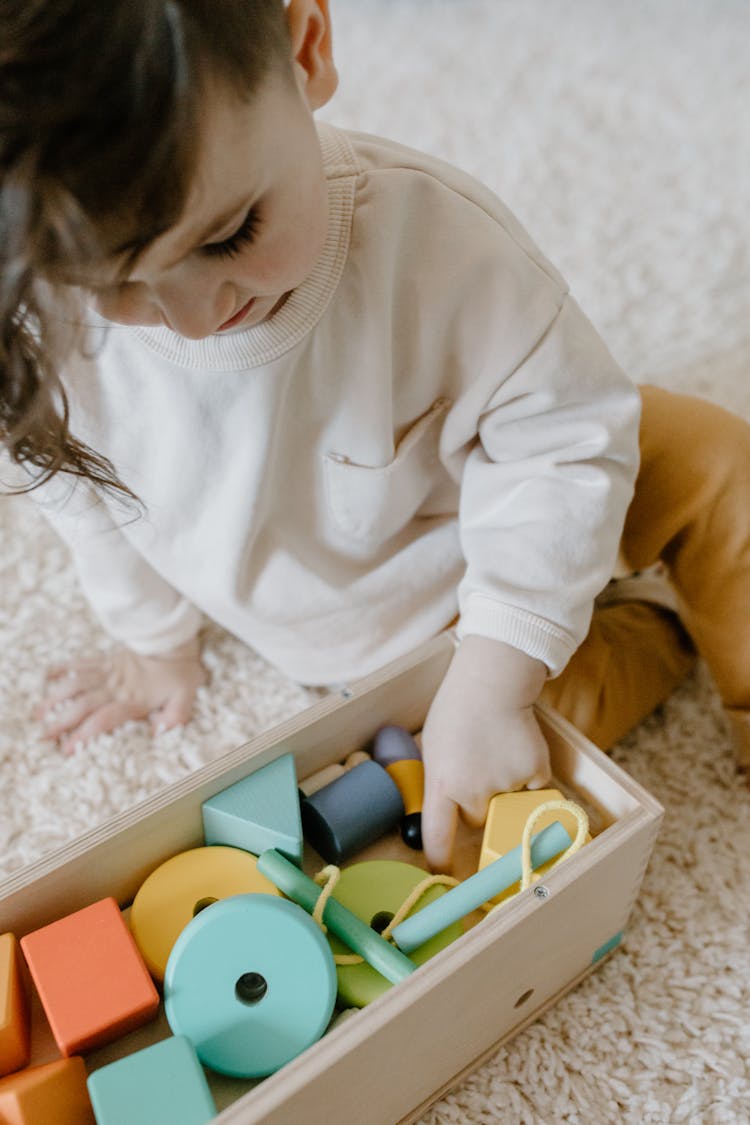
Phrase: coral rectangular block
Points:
(90, 977)
(54, 1094)
(14, 1008)
(160, 1085)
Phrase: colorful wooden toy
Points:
(320, 779)
(506, 819)
(396, 751)
(260, 811)
(90, 977)
(356, 935)
(251, 982)
(14, 1008)
(374, 891)
(353, 811)
(161, 1085)
(53, 1094)
(477, 889)
(327, 774)
(180, 888)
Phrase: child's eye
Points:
(245, 234)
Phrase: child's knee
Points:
(700, 439)
(693, 487)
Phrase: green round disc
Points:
(374, 891)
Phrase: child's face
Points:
(252, 229)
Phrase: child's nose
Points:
(194, 311)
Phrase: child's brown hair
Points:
(98, 122)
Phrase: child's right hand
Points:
(88, 697)
(480, 737)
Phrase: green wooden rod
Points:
(385, 958)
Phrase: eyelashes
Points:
(245, 235)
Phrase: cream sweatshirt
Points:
(428, 426)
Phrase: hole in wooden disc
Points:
(379, 921)
(523, 997)
(251, 987)
(202, 903)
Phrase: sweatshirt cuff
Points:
(536, 636)
(178, 627)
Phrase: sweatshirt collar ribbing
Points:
(304, 306)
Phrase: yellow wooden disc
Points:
(183, 886)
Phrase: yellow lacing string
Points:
(329, 876)
(528, 876)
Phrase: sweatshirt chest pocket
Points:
(372, 504)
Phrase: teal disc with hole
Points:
(251, 982)
(374, 891)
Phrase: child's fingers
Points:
(475, 812)
(74, 683)
(106, 718)
(439, 820)
(175, 712)
(72, 668)
(71, 713)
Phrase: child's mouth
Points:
(238, 316)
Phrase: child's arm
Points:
(480, 737)
(157, 670)
(89, 697)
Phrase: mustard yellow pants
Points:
(691, 510)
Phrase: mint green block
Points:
(608, 946)
(261, 811)
(160, 1085)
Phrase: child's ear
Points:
(312, 51)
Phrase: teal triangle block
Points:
(260, 811)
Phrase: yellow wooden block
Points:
(14, 1008)
(506, 820)
(181, 887)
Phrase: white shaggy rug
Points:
(619, 134)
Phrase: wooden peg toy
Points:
(327, 774)
(260, 811)
(90, 977)
(14, 1008)
(477, 889)
(53, 1094)
(161, 1085)
(506, 819)
(356, 934)
(396, 751)
(183, 886)
(320, 779)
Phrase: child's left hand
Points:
(480, 737)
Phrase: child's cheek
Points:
(284, 262)
(125, 304)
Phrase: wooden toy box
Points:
(386, 1063)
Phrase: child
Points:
(326, 392)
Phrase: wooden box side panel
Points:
(394, 1055)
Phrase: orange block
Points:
(54, 1094)
(90, 977)
(14, 1008)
